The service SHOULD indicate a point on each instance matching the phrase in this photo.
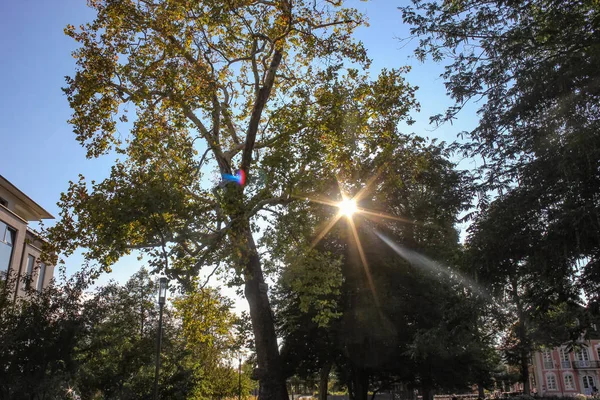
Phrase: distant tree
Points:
(38, 336)
(208, 329)
(103, 344)
(117, 356)
(536, 303)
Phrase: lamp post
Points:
(240, 378)
(162, 296)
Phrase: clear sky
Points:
(38, 151)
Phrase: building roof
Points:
(26, 207)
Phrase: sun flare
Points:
(347, 207)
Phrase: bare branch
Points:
(227, 117)
(203, 158)
(271, 201)
(255, 69)
(212, 142)
(267, 3)
(209, 276)
(259, 105)
(216, 117)
(229, 154)
(346, 21)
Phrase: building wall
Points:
(584, 375)
(20, 226)
(25, 243)
(33, 248)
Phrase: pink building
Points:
(20, 247)
(561, 372)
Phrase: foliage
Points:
(207, 329)
(535, 66)
(38, 334)
(183, 65)
(103, 344)
(117, 358)
(413, 323)
(272, 88)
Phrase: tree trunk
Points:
(523, 339)
(360, 381)
(269, 374)
(480, 391)
(350, 385)
(324, 380)
(427, 391)
(525, 372)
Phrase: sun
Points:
(347, 207)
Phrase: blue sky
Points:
(38, 151)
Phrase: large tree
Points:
(217, 87)
(371, 312)
(534, 67)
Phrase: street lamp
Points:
(162, 297)
(240, 378)
(162, 291)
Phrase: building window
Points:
(41, 276)
(547, 357)
(7, 238)
(564, 358)
(4, 202)
(583, 358)
(551, 382)
(583, 355)
(29, 271)
(569, 382)
(588, 384)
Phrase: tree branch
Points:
(227, 117)
(229, 154)
(259, 104)
(213, 143)
(271, 201)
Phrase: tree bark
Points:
(427, 391)
(350, 385)
(360, 381)
(324, 380)
(270, 376)
(525, 372)
(523, 340)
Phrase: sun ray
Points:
(363, 191)
(364, 262)
(341, 189)
(326, 230)
(316, 200)
(384, 215)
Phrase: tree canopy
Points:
(64, 342)
(275, 89)
(533, 66)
